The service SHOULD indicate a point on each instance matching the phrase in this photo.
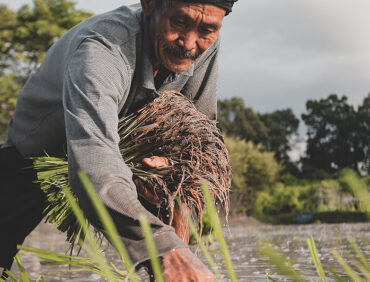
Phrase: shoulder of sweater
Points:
(117, 27)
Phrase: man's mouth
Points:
(181, 53)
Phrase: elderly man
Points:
(105, 68)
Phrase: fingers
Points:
(156, 162)
(146, 193)
(181, 265)
(180, 222)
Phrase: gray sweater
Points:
(96, 73)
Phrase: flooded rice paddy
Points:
(242, 239)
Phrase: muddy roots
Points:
(172, 127)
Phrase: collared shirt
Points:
(96, 73)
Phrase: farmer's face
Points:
(181, 32)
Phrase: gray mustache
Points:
(181, 52)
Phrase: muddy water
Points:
(242, 240)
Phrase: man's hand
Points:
(154, 162)
(181, 265)
(145, 193)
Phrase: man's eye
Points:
(178, 22)
(206, 30)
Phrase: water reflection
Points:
(242, 240)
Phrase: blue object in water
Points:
(303, 218)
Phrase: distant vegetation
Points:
(338, 135)
(266, 183)
(265, 180)
(254, 170)
(261, 188)
(348, 195)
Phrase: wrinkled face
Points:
(181, 32)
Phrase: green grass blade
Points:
(108, 225)
(270, 278)
(51, 258)
(349, 271)
(45, 254)
(363, 270)
(93, 248)
(24, 274)
(40, 279)
(315, 258)
(360, 255)
(277, 259)
(10, 275)
(218, 232)
(200, 242)
(335, 274)
(83, 269)
(154, 261)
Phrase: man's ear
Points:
(148, 6)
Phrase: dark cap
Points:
(224, 4)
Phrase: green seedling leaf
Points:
(315, 258)
(349, 271)
(218, 232)
(93, 246)
(151, 249)
(108, 225)
(277, 259)
(24, 274)
(200, 242)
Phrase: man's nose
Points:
(189, 41)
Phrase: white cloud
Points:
(278, 54)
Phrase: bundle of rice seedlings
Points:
(170, 126)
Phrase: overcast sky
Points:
(280, 53)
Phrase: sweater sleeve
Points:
(94, 84)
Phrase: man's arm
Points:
(94, 84)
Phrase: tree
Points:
(8, 23)
(333, 139)
(25, 37)
(10, 85)
(237, 120)
(364, 132)
(281, 126)
(272, 130)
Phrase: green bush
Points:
(347, 194)
(351, 182)
(366, 179)
(286, 200)
(253, 169)
(329, 184)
